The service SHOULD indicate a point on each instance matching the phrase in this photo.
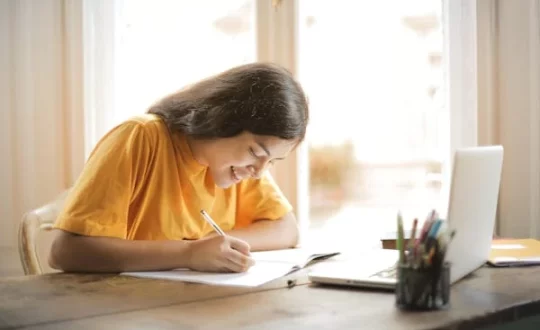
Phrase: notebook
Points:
(514, 252)
(269, 265)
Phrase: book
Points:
(514, 252)
(269, 265)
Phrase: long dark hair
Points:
(261, 98)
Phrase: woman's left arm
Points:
(269, 234)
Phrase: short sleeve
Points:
(260, 199)
(98, 203)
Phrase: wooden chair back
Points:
(32, 223)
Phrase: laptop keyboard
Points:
(390, 272)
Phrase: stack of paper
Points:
(514, 252)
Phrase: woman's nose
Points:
(257, 170)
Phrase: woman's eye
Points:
(252, 153)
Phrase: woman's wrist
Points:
(185, 253)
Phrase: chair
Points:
(32, 223)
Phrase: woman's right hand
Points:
(220, 254)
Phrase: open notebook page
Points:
(269, 265)
(298, 258)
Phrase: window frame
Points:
(478, 32)
(517, 104)
(462, 58)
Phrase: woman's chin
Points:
(224, 184)
(224, 180)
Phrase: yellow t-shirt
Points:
(142, 183)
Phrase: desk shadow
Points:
(341, 287)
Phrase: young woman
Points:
(136, 205)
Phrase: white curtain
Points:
(41, 105)
(99, 36)
(516, 117)
(57, 100)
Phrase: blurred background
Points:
(374, 75)
(394, 86)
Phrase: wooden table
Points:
(488, 297)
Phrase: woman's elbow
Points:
(57, 256)
(53, 263)
(292, 230)
(295, 239)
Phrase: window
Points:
(375, 72)
(379, 133)
(162, 46)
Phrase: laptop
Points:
(474, 192)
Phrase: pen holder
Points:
(423, 288)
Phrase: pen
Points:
(208, 219)
(434, 228)
(411, 244)
(400, 244)
(427, 226)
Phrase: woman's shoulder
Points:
(146, 120)
(151, 125)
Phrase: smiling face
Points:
(230, 160)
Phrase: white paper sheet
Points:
(507, 246)
(513, 261)
(269, 265)
(260, 273)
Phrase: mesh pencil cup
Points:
(423, 288)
